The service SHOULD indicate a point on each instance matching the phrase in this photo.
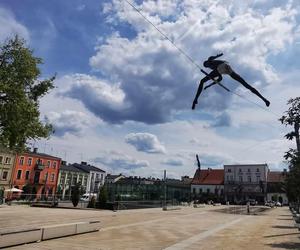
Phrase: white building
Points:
(96, 176)
(244, 182)
(208, 182)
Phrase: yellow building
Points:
(7, 160)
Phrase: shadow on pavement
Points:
(286, 245)
(284, 227)
(277, 235)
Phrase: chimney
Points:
(35, 150)
(83, 163)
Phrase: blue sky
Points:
(124, 93)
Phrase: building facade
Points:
(96, 177)
(275, 187)
(36, 173)
(7, 162)
(208, 184)
(244, 182)
(135, 188)
(68, 177)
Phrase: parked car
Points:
(252, 202)
(88, 196)
(278, 204)
(270, 204)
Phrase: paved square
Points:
(188, 228)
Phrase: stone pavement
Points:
(188, 228)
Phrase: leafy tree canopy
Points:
(20, 91)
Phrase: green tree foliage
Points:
(292, 118)
(75, 196)
(20, 91)
(103, 195)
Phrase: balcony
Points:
(39, 166)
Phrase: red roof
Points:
(276, 176)
(208, 177)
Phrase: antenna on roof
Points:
(198, 162)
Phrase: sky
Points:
(123, 92)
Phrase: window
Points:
(27, 175)
(54, 164)
(21, 161)
(257, 170)
(249, 178)
(231, 178)
(194, 190)
(46, 177)
(4, 175)
(249, 170)
(52, 177)
(29, 161)
(48, 164)
(208, 190)
(200, 190)
(7, 160)
(227, 178)
(257, 178)
(241, 178)
(240, 170)
(19, 174)
(229, 170)
(1, 159)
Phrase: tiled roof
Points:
(276, 176)
(208, 177)
(40, 155)
(70, 168)
(246, 165)
(87, 168)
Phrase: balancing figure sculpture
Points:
(219, 68)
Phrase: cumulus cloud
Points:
(9, 26)
(148, 80)
(68, 122)
(222, 120)
(145, 142)
(172, 162)
(119, 161)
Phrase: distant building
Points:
(146, 189)
(208, 184)
(244, 182)
(7, 161)
(275, 187)
(68, 177)
(112, 178)
(96, 176)
(36, 173)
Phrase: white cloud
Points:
(145, 142)
(118, 161)
(151, 80)
(173, 162)
(68, 122)
(9, 26)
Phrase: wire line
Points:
(192, 60)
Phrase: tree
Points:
(102, 195)
(20, 91)
(75, 196)
(292, 118)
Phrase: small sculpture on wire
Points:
(219, 68)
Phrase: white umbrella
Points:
(13, 190)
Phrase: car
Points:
(252, 202)
(278, 204)
(87, 197)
